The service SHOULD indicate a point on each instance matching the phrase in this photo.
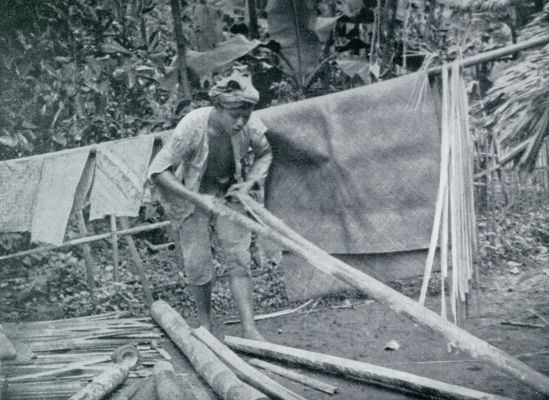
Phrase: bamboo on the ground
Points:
(390, 378)
(7, 350)
(114, 244)
(88, 260)
(285, 372)
(112, 378)
(275, 229)
(222, 380)
(137, 261)
(243, 370)
(167, 387)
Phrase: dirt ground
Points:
(361, 333)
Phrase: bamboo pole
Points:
(222, 380)
(88, 260)
(137, 261)
(294, 376)
(7, 350)
(88, 239)
(497, 53)
(126, 358)
(167, 386)
(276, 230)
(389, 378)
(114, 244)
(243, 370)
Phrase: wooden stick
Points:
(289, 239)
(393, 379)
(137, 261)
(88, 239)
(88, 260)
(273, 314)
(244, 371)
(313, 383)
(222, 380)
(114, 244)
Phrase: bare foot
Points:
(253, 334)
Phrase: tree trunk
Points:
(252, 13)
(181, 51)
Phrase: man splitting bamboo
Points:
(206, 154)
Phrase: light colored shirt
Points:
(186, 154)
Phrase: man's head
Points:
(234, 98)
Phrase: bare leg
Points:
(202, 297)
(241, 288)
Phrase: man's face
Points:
(232, 120)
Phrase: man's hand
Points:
(242, 188)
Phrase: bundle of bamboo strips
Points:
(68, 353)
(455, 220)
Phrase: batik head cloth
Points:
(234, 90)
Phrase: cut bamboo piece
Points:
(114, 244)
(294, 376)
(7, 350)
(138, 263)
(109, 380)
(167, 387)
(243, 370)
(393, 379)
(88, 260)
(276, 230)
(222, 380)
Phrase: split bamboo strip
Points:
(442, 189)
(294, 376)
(289, 239)
(381, 376)
(222, 380)
(114, 244)
(243, 370)
(88, 260)
(138, 263)
(88, 239)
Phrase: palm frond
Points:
(516, 106)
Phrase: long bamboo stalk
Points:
(281, 234)
(88, 239)
(390, 378)
(497, 53)
(294, 376)
(222, 380)
(243, 370)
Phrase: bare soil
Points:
(360, 333)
